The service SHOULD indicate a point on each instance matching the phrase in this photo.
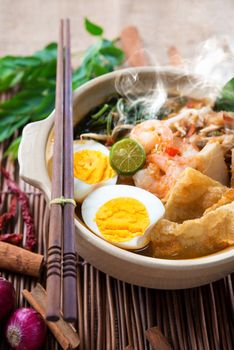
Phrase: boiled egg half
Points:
(91, 168)
(123, 215)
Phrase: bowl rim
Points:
(169, 70)
(213, 259)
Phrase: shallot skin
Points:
(7, 298)
(25, 330)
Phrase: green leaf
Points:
(92, 28)
(113, 54)
(7, 120)
(48, 53)
(6, 82)
(91, 52)
(79, 77)
(98, 70)
(44, 108)
(35, 79)
(23, 102)
(225, 101)
(5, 132)
(14, 62)
(12, 150)
(9, 130)
(17, 69)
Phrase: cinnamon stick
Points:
(133, 47)
(16, 259)
(157, 339)
(65, 334)
(175, 58)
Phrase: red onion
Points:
(7, 298)
(25, 330)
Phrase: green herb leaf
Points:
(9, 130)
(48, 53)
(113, 54)
(92, 28)
(225, 102)
(12, 150)
(35, 79)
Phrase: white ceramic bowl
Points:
(124, 265)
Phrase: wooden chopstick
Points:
(61, 230)
(69, 252)
(53, 285)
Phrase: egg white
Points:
(100, 196)
(81, 188)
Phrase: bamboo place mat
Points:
(115, 315)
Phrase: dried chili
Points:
(26, 214)
(6, 217)
(13, 238)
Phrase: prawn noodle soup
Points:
(186, 132)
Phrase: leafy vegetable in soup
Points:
(117, 116)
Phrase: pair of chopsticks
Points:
(61, 229)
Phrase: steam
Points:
(137, 92)
(212, 63)
(215, 60)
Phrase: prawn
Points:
(159, 176)
(166, 157)
(151, 133)
(161, 172)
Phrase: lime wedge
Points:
(127, 156)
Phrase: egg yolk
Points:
(92, 166)
(122, 219)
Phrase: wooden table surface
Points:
(28, 25)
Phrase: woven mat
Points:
(113, 314)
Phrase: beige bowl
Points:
(124, 265)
